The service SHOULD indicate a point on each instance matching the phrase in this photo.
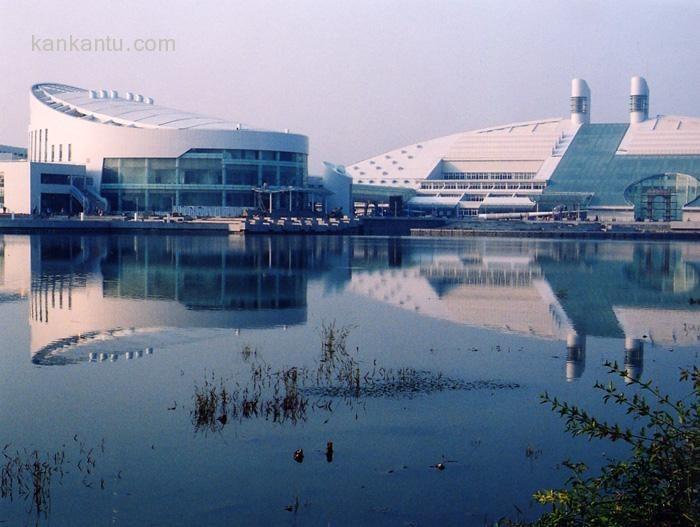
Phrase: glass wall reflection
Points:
(86, 289)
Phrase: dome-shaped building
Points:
(139, 155)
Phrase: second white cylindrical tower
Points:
(580, 102)
(639, 100)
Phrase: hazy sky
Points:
(362, 76)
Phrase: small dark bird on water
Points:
(440, 466)
(299, 455)
(329, 451)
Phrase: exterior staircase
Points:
(88, 197)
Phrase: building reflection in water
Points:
(129, 289)
(636, 292)
(634, 358)
(575, 355)
(126, 288)
(15, 269)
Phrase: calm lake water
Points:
(106, 340)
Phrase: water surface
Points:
(106, 339)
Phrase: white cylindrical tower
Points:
(580, 102)
(639, 100)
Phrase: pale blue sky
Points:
(360, 77)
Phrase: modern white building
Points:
(648, 168)
(138, 155)
(31, 187)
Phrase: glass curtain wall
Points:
(662, 197)
(201, 177)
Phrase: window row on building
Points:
(445, 185)
(207, 168)
(250, 155)
(129, 200)
(492, 176)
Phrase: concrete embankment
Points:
(28, 224)
(371, 226)
(575, 230)
(388, 226)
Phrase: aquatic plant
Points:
(214, 403)
(658, 485)
(288, 394)
(29, 475)
(336, 363)
(206, 402)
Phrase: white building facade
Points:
(646, 169)
(139, 156)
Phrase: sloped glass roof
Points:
(590, 165)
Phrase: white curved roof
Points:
(125, 109)
(402, 167)
(662, 135)
(532, 146)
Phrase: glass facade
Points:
(591, 165)
(202, 177)
(662, 197)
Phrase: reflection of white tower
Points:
(580, 102)
(639, 100)
(634, 359)
(15, 265)
(575, 355)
